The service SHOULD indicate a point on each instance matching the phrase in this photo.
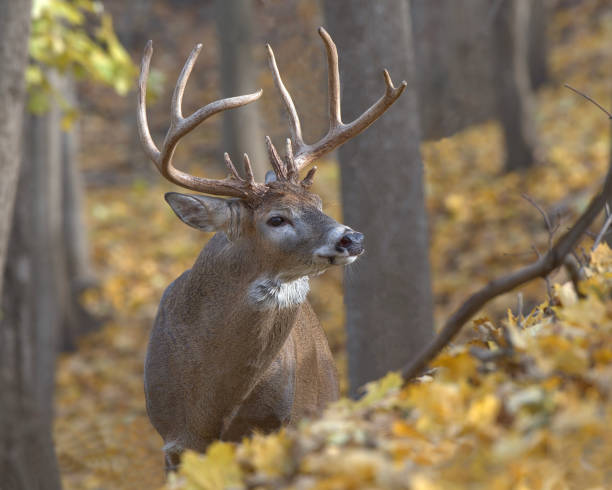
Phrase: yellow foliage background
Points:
(538, 418)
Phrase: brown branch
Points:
(550, 227)
(582, 94)
(541, 268)
(602, 232)
(554, 257)
(575, 272)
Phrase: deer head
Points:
(281, 220)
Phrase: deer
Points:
(235, 346)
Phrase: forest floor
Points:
(480, 228)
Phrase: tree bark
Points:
(241, 127)
(388, 293)
(49, 266)
(31, 314)
(14, 34)
(514, 95)
(76, 274)
(454, 56)
(27, 459)
(539, 73)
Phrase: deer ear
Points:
(201, 212)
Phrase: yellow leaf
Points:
(215, 470)
(270, 455)
(601, 257)
(483, 412)
(377, 390)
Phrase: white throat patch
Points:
(266, 293)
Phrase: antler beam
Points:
(233, 185)
(338, 132)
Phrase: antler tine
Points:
(294, 119)
(233, 185)
(292, 172)
(230, 165)
(333, 80)
(248, 170)
(338, 132)
(179, 89)
(275, 160)
(148, 144)
(307, 181)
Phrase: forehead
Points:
(290, 196)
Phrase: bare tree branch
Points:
(548, 262)
(550, 226)
(541, 268)
(602, 232)
(589, 99)
(575, 272)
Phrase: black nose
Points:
(352, 242)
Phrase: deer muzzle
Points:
(351, 243)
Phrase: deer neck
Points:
(239, 316)
(228, 269)
(237, 302)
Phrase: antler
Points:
(233, 185)
(338, 131)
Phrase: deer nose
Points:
(351, 242)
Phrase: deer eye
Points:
(276, 221)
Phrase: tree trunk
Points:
(27, 459)
(241, 127)
(539, 74)
(73, 247)
(49, 266)
(14, 34)
(454, 59)
(31, 315)
(387, 294)
(514, 95)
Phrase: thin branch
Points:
(544, 214)
(549, 292)
(589, 99)
(519, 309)
(548, 262)
(575, 272)
(554, 257)
(577, 258)
(549, 225)
(586, 259)
(602, 232)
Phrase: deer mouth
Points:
(340, 259)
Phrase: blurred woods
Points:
(389, 315)
(48, 265)
(467, 64)
(17, 442)
(503, 45)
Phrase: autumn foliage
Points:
(522, 400)
(526, 404)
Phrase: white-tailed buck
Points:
(235, 345)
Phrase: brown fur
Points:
(217, 367)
